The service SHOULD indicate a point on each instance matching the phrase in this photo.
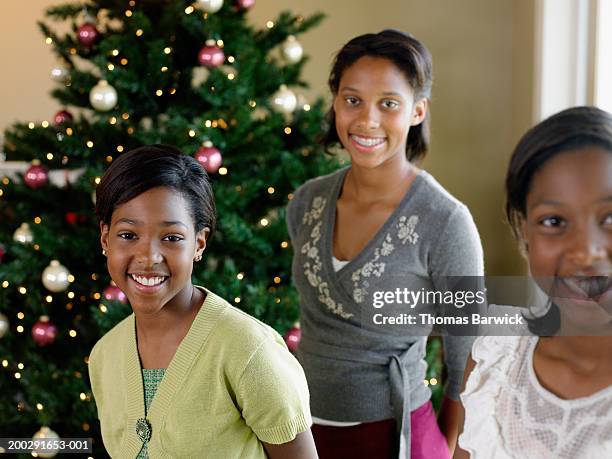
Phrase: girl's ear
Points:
(419, 111)
(201, 238)
(104, 236)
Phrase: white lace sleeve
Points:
(481, 432)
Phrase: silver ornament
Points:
(55, 277)
(103, 96)
(23, 234)
(292, 49)
(210, 6)
(45, 433)
(60, 74)
(284, 100)
(4, 325)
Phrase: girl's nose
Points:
(369, 118)
(149, 254)
(588, 247)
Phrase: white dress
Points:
(509, 415)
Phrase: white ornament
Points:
(45, 433)
(284, 100)
(210, 6)
(55, 277)
(292, 49)
(103, 96)
(60, 73)
(23, 234)
(4, 325)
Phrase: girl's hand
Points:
(301, 447)
(460, 453)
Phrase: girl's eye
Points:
(173, 238)
(390, 104)
(552, 222)
(351, 100)
(127, 236)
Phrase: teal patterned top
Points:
(152, 378)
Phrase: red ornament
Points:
(36, 176)
(211, 56)
(2, 252)
(61, 117)
(114, 293)
(44, 332)
(209, 157)
(71, 218)
(293, 338)
(87, 34)
(244, 4)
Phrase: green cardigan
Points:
(231, 385)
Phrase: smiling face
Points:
(374, 109)
(151, 244)
(568, 232)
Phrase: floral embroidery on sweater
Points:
(375, 267)
(313, 266)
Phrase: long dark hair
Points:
(407, 54)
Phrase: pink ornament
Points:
(244, 4)
(36, 176)
(209, 157)
(44, 332)
(114, 293)
(211, 56)
(87, 34)
(293, 338)
(61, 117)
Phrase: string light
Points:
(20, 315)
(39, 406)
(208, 123)
(115, 52)
(164, 69)
(120, 148)
(252, 103)
(192, 133)
(112, 120)
(167, 50)
(49, 299)
(49, 40)
(220, 43)
(20, 366)
(123, 61)
(264, 222)
(82, 396)
(139, 33)
(433, 381)
(277, 300)
(271, 190)
(426, 382)
(159, 93)
(49, 156)
(69, 131)
(103, 309)
(97, 180)
(240, 276)
(306, 107)
(70, 295)
(5, 363)
(189, 10)
(31, 125)
(287, 130)
(128, 13)
(90, 144)
(223, 171)
(23, 290)
(277, 280)
(70, 278)
(111, 67)
(96, 296)
(125, 116)
(237, 299)
(17, 375)
(290, 196)
(72, 333)
(231, 76)
(269, 24)
(231, 59)
(284, 244)
(19, 328)
(45, 124)
(72, 51)
(37, 220)
(172, 91)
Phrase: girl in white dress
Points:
(550, 396)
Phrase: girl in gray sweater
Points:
(365, 238)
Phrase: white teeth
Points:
(367, 141)
(148, 281)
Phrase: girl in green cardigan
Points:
(186, 375)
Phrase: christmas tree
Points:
(131, 73)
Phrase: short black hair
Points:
(410, 56)
(570, 129)
(152, 166)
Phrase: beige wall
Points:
(482, 97)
